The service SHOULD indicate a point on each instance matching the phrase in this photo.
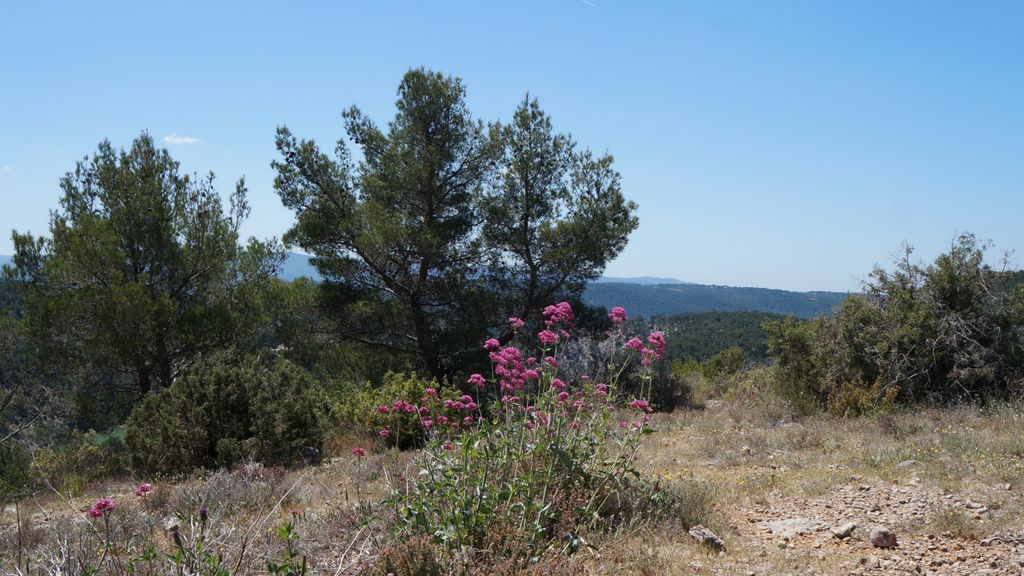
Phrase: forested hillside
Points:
(701, 335)
(663, 299)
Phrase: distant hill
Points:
(648, 296)
(297, 266)
(643, 280)
(664, 299)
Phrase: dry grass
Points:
(740, 454)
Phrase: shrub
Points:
(725, 363)
(390, 407)
(529, 462)
(84, 459)
(15, 478)
(947, 332)
(223, 411)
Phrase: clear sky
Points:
(768, 143)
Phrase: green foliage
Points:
(224, 410)
(536, 469)
(725, 363)
(447, 226)
(86, 458)
(666, 299)
(364, 407)
(141, 274)
(947, 332)
(15, 475)
(291, 562)
(702, 335)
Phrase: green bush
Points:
(948, 332)
(223, 411)
(15, 477)
(364, 408)
(84, 459)
(725, 363)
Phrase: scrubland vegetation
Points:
(444, 403)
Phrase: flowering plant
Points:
(528, 460)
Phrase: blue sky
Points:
(781, 144)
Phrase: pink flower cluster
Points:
(640, 404)
(143, 489)
(547, 337)
(560, 313)
(515, 323)
(618, 315)
(359, 452)
(464, 403)
(508, 367)
(656, 350)
(102, 507)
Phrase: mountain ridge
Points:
(648, 296)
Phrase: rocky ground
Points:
(788, 495)
(815, 496)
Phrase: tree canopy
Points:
(447, 225)
(141, 273)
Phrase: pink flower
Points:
(531, 360)
(467, 420)
(442, 420)
(143, 489)
(563, 396)
(476, 380)
(560, 313)
(358, 452)
(384, 433)
(658, 339)
(550, 361)
(530, 425)
(515, 323)
(547, 337)
(623, 424)
(618, 315)
(427, 423)
(557, 384)
(492, 345)
(447, 446)
(382, 409)
(102, 507)
(634, 344)
(432, 392)
(577, 404)
(640, 404)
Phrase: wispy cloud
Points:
(6, 168)
(175, 139)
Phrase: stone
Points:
(707, 537)
(845, 531)
(311, 455)
(906, 464)
(882, 537)
(793, 526)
